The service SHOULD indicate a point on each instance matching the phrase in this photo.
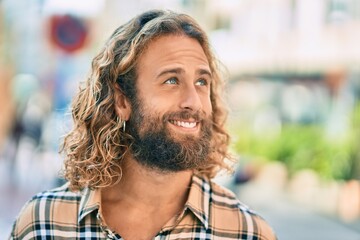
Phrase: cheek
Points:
(160, 102)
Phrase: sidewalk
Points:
(292, 222)
(289, 220)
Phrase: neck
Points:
(149, 188)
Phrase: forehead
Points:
(171, 49)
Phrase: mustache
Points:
(185, 115)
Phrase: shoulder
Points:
(226, 199)
(45, 208)
(231, 215)
(58, 197)
(62, 193)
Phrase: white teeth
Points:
(184, 124)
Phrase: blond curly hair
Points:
(96, 145)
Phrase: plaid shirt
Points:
(211, 212)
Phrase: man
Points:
(148, 135)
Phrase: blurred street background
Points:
(293, 69)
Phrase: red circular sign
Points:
(68, 32)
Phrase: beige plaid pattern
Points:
(211, 212)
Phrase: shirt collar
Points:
(197, 202)
(90, 201)
(199, 199)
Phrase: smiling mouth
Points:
(184, 124)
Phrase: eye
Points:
(172, 80)
(201, 82)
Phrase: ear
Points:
(122, 104)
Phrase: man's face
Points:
(171, 117)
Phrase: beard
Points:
(156, 147)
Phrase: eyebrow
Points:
(202, 71)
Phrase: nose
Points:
(190, 99)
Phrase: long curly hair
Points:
(96, 145)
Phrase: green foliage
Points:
(354, 162)
(299, 147)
